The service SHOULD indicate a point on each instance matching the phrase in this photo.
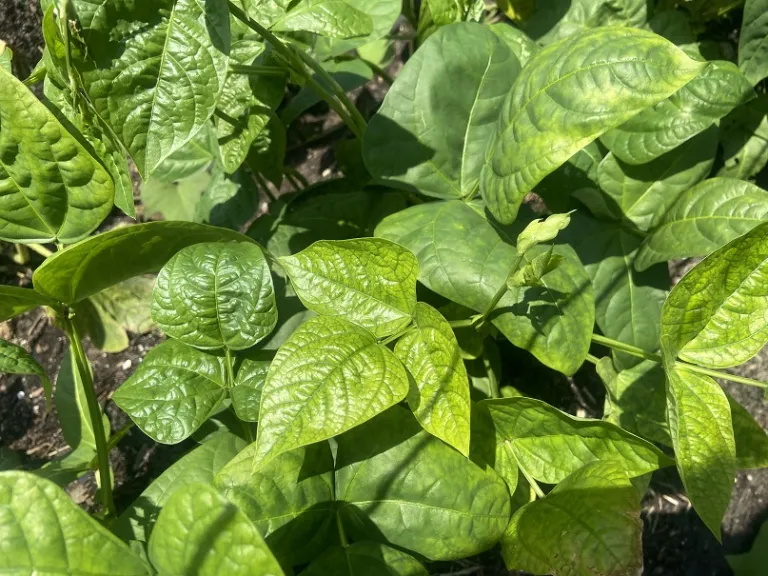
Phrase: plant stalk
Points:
(628, 348)
(461, 323)
(257, 70)
(499, 294)
(40, 249)
(95, 414)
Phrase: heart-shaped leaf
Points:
(249, 382)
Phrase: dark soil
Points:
(675, 541)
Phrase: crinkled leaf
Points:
(365, 559)
(636, 399)
(644, 194)
(383, 14)
(463, 258)
(157, 85)
(200, 465)
(216, 295)
(370, 281)
(201, 532)
(42, 531)
(703, 219)
(289, 500)
(541, 230)
(717, 90)
(16, 360)
(569, 94)
(52, 188)
(249, 382)
(173, 391)
(549, 444)
(333, 18)
(397, 484)
(589, 524)
(753, 41)
(744, 138)
(532, 273)
(702, 434)
(122, 253)
(329, 376)
(440, 397)
(431, 132)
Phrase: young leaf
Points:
(216, 295)
(156, 89)
(716, 315)
(112, 257)
(15, 360)
(753, 41)
(431, 132)
(365, 559)
(744, 138)
(52, 189)
(532, 272)
(541, 230)
(645, 193)
(569, 94)
(44, 531)
(201, 532)
(549, 444)
(589, 524)
(717, 90)
(702, 434)
(370, 281)
(248, 385)
(200, 465)
(6, 55)
(463, 258)
(397, 484)
(15, 300)
(703, 219)
(289, 500)
(174, 390)
(329, 376)
(440, 397)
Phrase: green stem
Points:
(397, 335)
(114, 440)
(342, 534)
(230, 372)
(536, 488)
(379, 71)
(22, 255)
(640, 353)
(499, 293)
(95, 414)
(257, 70)
(293, 59)
(40, 249)
(591, 358)
(461, 323)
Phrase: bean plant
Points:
(337, 360)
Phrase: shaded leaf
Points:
(365, 559)
(15, 300)
(751, 439)
(753, 41)
(16, 360)
(744, 138)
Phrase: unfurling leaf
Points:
(541, 230)
(532, 272)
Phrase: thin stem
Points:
(592, 359)
(316, 138)
(264, 184)
(22, 255)
(397, 335)
(294, 60)
(114, 440)
(536, 488)
(499, 293)
(461, 323)
(379, 71)
(40, 249)
(257, 70)
(721, 375)
(230, 372)
(342, 534)
(95, 414)
(628, 348)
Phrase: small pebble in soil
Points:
(127, 364)
(20, 395)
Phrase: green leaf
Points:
(744, 138)
(370, 281)
(627, 302)
(554, 20)
(717, 90)
(703, 219)
(440, 397)
(751, 439)
(532, 273)
(248, 385)
(177, 199)
(216, 295)
(52, 188)
(463, 258)
(569, 94)
(636, 399)
(174, 390)
(156, 87)
(15, 301)
(289, 500)
(333, 18)
(15, 360)
(518, 41)
(574, 177)
(674, 25)
(702, 434)
(397, 484)
(329, 376)
(6, 55)
(644, 194)
(589, 524)
(200, 532)
(752, 563)
(431, 132)
(112, 257)
(197, 154)
(199, 465)
(541, 230)
(488, 450)
(267, 154)
(383, 14)
(365, 559)
(44, 532)
(753, 41)
(549, 444)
